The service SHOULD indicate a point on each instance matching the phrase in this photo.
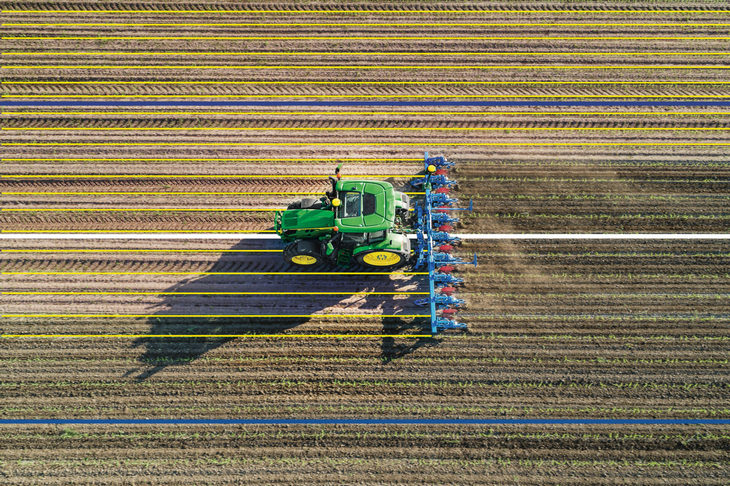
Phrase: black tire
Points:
(304, 253)
(306, 203)
(363, 259)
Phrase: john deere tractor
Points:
(358, 221)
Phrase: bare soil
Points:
(557, 329)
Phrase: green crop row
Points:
(369, 410)
(309, 432)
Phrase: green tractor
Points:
(358, 221)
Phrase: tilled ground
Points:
(545, 455)
(558, 329)
(561, 329)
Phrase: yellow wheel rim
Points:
(382, 258)
(304, 260)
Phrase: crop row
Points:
(363, 360)
(526, 215)
(362, 384)
(153, 463)
(608, 276)
(544, 164)
(662, 255)
(599, 197)
(366, 410)
(312, 432)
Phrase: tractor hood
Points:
(294, 219)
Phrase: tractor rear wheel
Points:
(304, 253)
(380, 258)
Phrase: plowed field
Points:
(206, 117)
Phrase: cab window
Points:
(350, 206)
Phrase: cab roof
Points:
(369, 187)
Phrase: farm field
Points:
(208, 118)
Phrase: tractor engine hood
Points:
(294, 219)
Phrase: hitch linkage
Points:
(443, 324)
(435, 181)
(441, 301)
(445, 280)
(444, 237)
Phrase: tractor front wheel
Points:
(380, 258)
(303, 252)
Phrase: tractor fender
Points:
(397, 242)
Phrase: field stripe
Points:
(387, 83)
(242, 159)
(54, 210)
(384, 96)
(132, 250)
(373, 129)
(374, 24)
(154, 193)
(214, 293)
(250, 234)
(259, 235)
(357, 53)
(213, 273)
(288, 113)
(17, 193)
(283, 316)
(197, 176)
(373, 144)
(598, 236)
(351, 38)
(137, 210)
(419, 103)
(354, 67)
(365, 11)
(343, 421)
(138, 336)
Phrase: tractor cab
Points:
(364, 206)
(356, 220)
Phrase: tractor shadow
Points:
(161, 352)
(390, 351)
